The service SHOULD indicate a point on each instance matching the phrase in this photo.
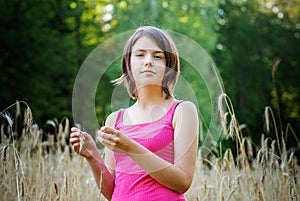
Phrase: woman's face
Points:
(148, 63)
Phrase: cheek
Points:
(133, 66)
(162, 68)
(135, 70)
(136, 62)
(161, 64)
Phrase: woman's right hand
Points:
(83, 143)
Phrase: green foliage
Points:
(253, 36)
(34, 56)
(195, 19)
(44, 44)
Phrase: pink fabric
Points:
(132, 183)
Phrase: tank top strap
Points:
(119, 118)
(170, 113)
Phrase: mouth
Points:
(148, 71)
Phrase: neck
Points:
(150, 96)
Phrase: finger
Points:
(84, 133)
(76, 144)
(74, 140)
(103, 141)
(107, 129)
(76, 148)
(108, 144)
(74, 129)
(111, 131)
(103, 136)
(75, 134)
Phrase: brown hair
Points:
(164, 42)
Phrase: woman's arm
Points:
(177, 176)
(101, 171)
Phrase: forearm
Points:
(103, 178)
(169, 175)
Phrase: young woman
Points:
(151, 146)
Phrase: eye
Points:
(138, 54)
(158, 56)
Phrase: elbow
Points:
(184, 187)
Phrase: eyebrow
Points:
(144, 50)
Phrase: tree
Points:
(253, 35)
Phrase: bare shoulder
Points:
(185, 111)
(186, 106)
(111, 119)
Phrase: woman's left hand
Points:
(115, 140)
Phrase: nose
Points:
(148, 60)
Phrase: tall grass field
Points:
(40, 165)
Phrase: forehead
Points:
(145, 43)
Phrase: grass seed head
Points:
(3, 155)
(66, 183)
(267, 118)
(81, 141)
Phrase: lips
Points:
(148, 71)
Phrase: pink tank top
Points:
(132, 183)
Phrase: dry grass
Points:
(36, 169)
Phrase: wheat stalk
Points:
(81, 141)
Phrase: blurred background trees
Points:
(258, 56)
(255, 45)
